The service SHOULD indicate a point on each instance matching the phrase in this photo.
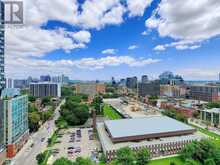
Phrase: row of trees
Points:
(79, 161)
(126, 156)
(175, 115)
(206, 152)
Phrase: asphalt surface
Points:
(37, 142)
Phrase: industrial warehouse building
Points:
(161, 135)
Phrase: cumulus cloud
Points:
(201, 21)
(31, 41)
(61, 66)
(132, 47)
(180, 45)
(109, 51)
(137, 7)
(34, 41)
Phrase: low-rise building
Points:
(211, 116)
(173, 91)
(210, 93)
(90, 88)
(166, 137)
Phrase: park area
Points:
(168, 161)
(110, 112)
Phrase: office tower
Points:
(9, 83)
(45, 78)
(90, 89)
(144, 79)
(44, 89)
(131, 82)
(15, 107)
(169, 78)
(149, 89)
(2, 49)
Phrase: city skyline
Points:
(121, 39)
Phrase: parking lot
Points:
(75, 142)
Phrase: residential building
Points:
(90, 88)
(209, 93)
(60, 79)
(15, 107)
(173, 91)
(2, 49)
(44, 89)
(166, 137)
(131, 82)
(2, 85)
(2, 133)
(151, 88)
(144, 79)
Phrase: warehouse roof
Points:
(144, 126)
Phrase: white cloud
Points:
(159, 48)
(97, 14)
(32, 41)
(109, 51)
(66, 66)
(82, 36)
(145, 33)
(180, 45)
(132, 47)
(137, 7)
(200, 22)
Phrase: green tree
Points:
(63, 161)
(125, 156)
(31, 98)
(209, 162)
(142, 156)
(33, 119)
(83, 161)
(46, 101)
(67, 91)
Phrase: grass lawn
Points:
(167, 161)
(213, 135)
(110, 113)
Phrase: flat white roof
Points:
(143, 126)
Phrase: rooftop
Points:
(144, 126)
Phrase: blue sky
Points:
(95, 39)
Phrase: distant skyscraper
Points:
(131, 82)
(2, 48)
(219, 77)
(45, 78)
(9, 83)
(144, 79)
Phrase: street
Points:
(37, 142)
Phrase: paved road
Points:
(27, 156)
